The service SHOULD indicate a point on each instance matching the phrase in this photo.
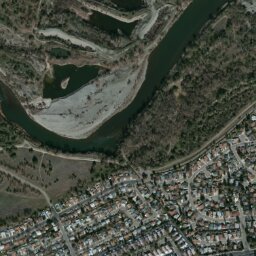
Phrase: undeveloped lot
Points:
(53, 174)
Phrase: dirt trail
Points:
(47, 199)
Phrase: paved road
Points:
(63, 232)
(238, 158)
(235, 253)
(100, 194)
(7, 171)
(216, 138)
(242, 226)
(71, 208)
(191, 199)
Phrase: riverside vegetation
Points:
(213, 80)
(9, 136)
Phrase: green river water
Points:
(78, 76)
(162, 59)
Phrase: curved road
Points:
(216, 138)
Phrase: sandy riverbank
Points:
(64, 83)
(55, 32)
(80, 114)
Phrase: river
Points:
(110, 25)
(130, 5)
(163, 58)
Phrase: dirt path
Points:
(38, 13)
(27, 145)
(7, 171)
(40, 166)
(47, 199)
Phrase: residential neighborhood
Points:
(127, 128)
(204, 207)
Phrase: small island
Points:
(64, 83)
